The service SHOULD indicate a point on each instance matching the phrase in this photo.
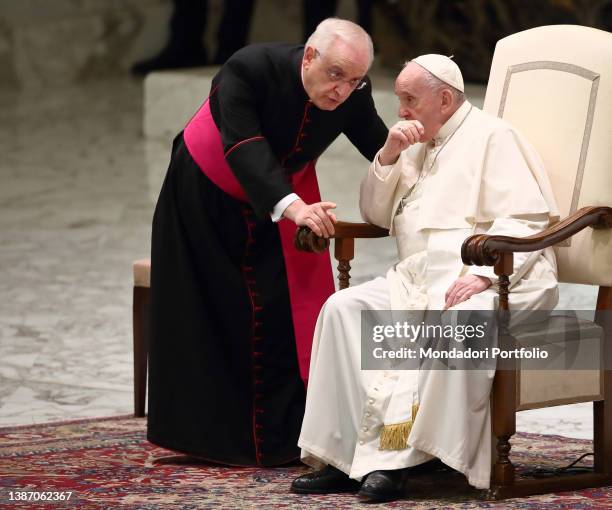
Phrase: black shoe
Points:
(383, 485)
(431, 466)
(170, 59)
(328, 480)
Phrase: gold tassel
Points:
(395, 436)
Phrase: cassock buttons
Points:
(371, 401)
(368, 415)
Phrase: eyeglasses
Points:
(336, 75)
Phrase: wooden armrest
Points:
(307, 240)
(485, 250)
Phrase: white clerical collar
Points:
(452, 124)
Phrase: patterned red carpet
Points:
(107, 463)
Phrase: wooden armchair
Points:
(507, 396)
(555, 84)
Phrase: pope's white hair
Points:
(332, 29)
(435, 84)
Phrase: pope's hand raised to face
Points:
(401, 136)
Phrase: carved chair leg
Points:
(602, 410)
(602, 440)
(504, 425)
(504, 387)
(344, 251)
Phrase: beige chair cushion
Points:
(142, 273)
(576, 340)
(547, 388)
(554, 84)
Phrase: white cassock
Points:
(477, 176)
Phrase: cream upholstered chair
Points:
(554, 84)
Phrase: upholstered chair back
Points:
(554, 84)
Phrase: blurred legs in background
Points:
(316, 11)
(185, 47)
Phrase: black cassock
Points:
(224, 378)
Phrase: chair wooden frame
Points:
(497, 251)
(140, 322)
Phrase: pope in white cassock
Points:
(446, 171)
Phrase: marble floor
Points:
(78, 184)
(74, 213)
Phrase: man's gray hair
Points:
(331, 29)
(436, 85)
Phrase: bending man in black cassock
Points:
(233, 303)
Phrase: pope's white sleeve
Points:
(378, 191)
(515, 227)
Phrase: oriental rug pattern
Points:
(107, 463)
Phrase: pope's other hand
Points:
(464, 288)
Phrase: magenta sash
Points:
(309, 275)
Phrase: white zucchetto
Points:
(442, 68)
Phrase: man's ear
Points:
(447, 99)
(309, 55)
